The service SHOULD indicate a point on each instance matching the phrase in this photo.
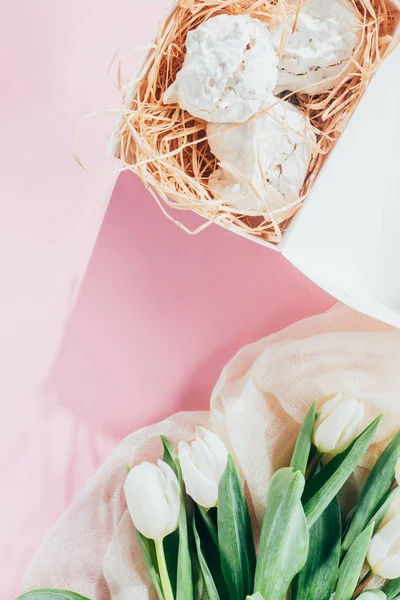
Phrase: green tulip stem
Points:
(363, 584)
(162, 568)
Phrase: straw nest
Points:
(168, 148)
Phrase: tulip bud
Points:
(153, 496)
(372, 595)
(338, 424)
(397, 471)
(384, 550)
(203, 463)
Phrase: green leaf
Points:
(211, 551)
(199, 588)
(169, 455)
(318, 577)
(284, 536)
(235, 536)
(322, 488)
(184, 578)
(392, 589)
(350, 569)
(171, 542)
(148, 550)
(210, 586)
(51, 594)
(381, 512)
(374, 491)
(184, 572)
(256, 596)
(304, 442)
(171, 549)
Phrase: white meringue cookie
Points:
(264, 160)
(229, 69)
(318, 53)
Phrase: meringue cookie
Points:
(318, 53)
(229, 69)
(264, 161)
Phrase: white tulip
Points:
(397, 471)
(338, 424)
(203, 463)
(372, 595)
(384, 550)
(153, 496)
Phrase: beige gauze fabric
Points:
(257, 405)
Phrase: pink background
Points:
(93, 349)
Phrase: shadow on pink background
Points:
(157, 317)
(161, 312)
(157, 314)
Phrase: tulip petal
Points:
(329, 406)
(150, 503)
(372, 595)
(352, 429)
(216, 446)
(204, 459)
(391, 531)
(203, 490)
(324, 486)
(377, 551)
(203, 463)
(147, 503)
(330, 430)
(390, 567)
(172, 495)
(384, 550)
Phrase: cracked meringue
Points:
(318, 53)
(229, 69)
(263, 162)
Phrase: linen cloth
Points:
(256, 407)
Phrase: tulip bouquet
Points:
(192, 519)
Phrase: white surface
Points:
(346, 236)
(230, 67)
